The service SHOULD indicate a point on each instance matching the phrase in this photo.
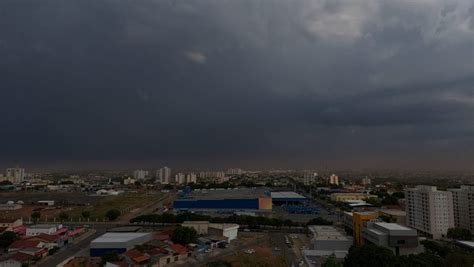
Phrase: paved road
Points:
(278, 240)
(72, 249)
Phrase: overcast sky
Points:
(229, 83)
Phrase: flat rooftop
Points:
(287, 194)
(40, 226)
(394, 212)
(237, 193)
(326, 233)
(393, 226)
(118, 237)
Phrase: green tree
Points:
(219, 264)
(112, 214)
(7, 238)
(459, 233)
(86, 214)
(319, 221)
(35, 216)
(369, 255)
(184, 235)
(110, 257)
(331, 262)
(53, 250)
(63, 216)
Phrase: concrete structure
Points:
(140, 174)
(14, 175)
(227, 230)
(429, 211)
(329, 238)
(463, 207)
(37, 229)
(394, 216)
(350, 196)
(359, 222)
(398, 238)
(10, 206)
(164, 175)
(334, 179)
(117, 242)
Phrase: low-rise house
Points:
(24, 244)
(38, 229)
(10, 223)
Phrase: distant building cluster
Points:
(14, 175)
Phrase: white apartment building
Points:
(15, 175)
(191, 178)
(179, 178)
(235, 171)
(334, 179)
(429, 211)
(140, 174)
(463, 207)
(366, 181)
(309, 178)
(164, 175)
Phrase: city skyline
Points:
(255, 84)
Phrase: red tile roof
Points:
(25, 243)
(21, 257)
(137, 256)
(46, 238)
(179, 248)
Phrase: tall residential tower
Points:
(429, 211)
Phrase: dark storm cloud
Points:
(288, 82)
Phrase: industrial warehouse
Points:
(238, 199)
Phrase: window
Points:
(400, 242)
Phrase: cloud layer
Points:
(258, 83)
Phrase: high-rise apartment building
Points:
(140, 174)
(164, 175)
(15, 175)
(179, 178)
(366, 181)
(334, 179)
(429, 211)
(235, 171)
(191, 178)
(463, 207)
(309, 178)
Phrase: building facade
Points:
(463, 207)
(359, 220)
(429, 210)
(164, 175)
(140, 174)
(15, 175)
(398, 238)
(334, 179)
